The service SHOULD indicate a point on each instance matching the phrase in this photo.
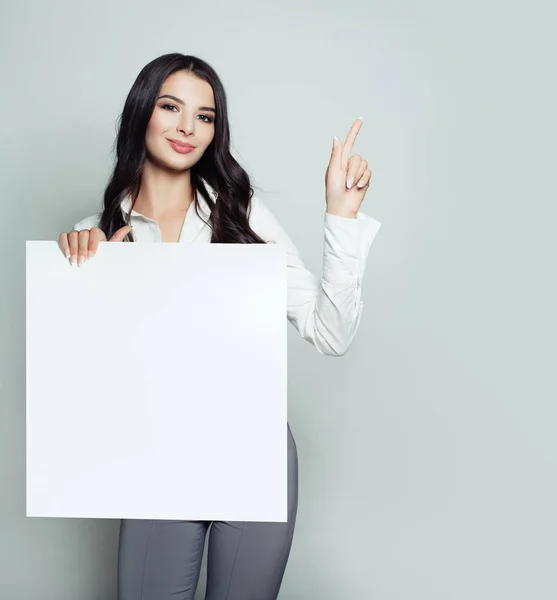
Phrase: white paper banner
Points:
(156, 382)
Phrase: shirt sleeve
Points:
(87, 223)
(326, 312)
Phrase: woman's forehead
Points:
(186, 83)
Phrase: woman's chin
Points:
(172, 163)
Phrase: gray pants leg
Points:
(161, 560)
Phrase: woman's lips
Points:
(181, 148)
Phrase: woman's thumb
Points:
(121, 234)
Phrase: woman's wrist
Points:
(346, 214)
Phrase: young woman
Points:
(175, 180)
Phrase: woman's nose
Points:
(186, 125)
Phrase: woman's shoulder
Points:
(264, 222)
(262, 219)
(88, 222)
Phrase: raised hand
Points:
(347, 178)
(79, 246)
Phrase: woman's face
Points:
(184, 117)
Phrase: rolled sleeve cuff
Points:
(346, 247)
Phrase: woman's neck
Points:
(163, 193)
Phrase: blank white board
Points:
(156, 382)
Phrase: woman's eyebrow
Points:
(183, 103)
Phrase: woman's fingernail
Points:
(81, 260)
(73, 261)
(91, 254)
(350, 182)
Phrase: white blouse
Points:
(326, 313)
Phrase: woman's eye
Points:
(206, 118)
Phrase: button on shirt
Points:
(326, 312)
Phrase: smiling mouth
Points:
(181, 148)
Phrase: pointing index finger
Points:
(351, 138)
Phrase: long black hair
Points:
(229, 212)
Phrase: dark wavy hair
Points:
(230, 210)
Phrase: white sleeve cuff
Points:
(346, 247)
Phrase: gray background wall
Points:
(427, 453)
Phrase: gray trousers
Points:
(161, 560)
